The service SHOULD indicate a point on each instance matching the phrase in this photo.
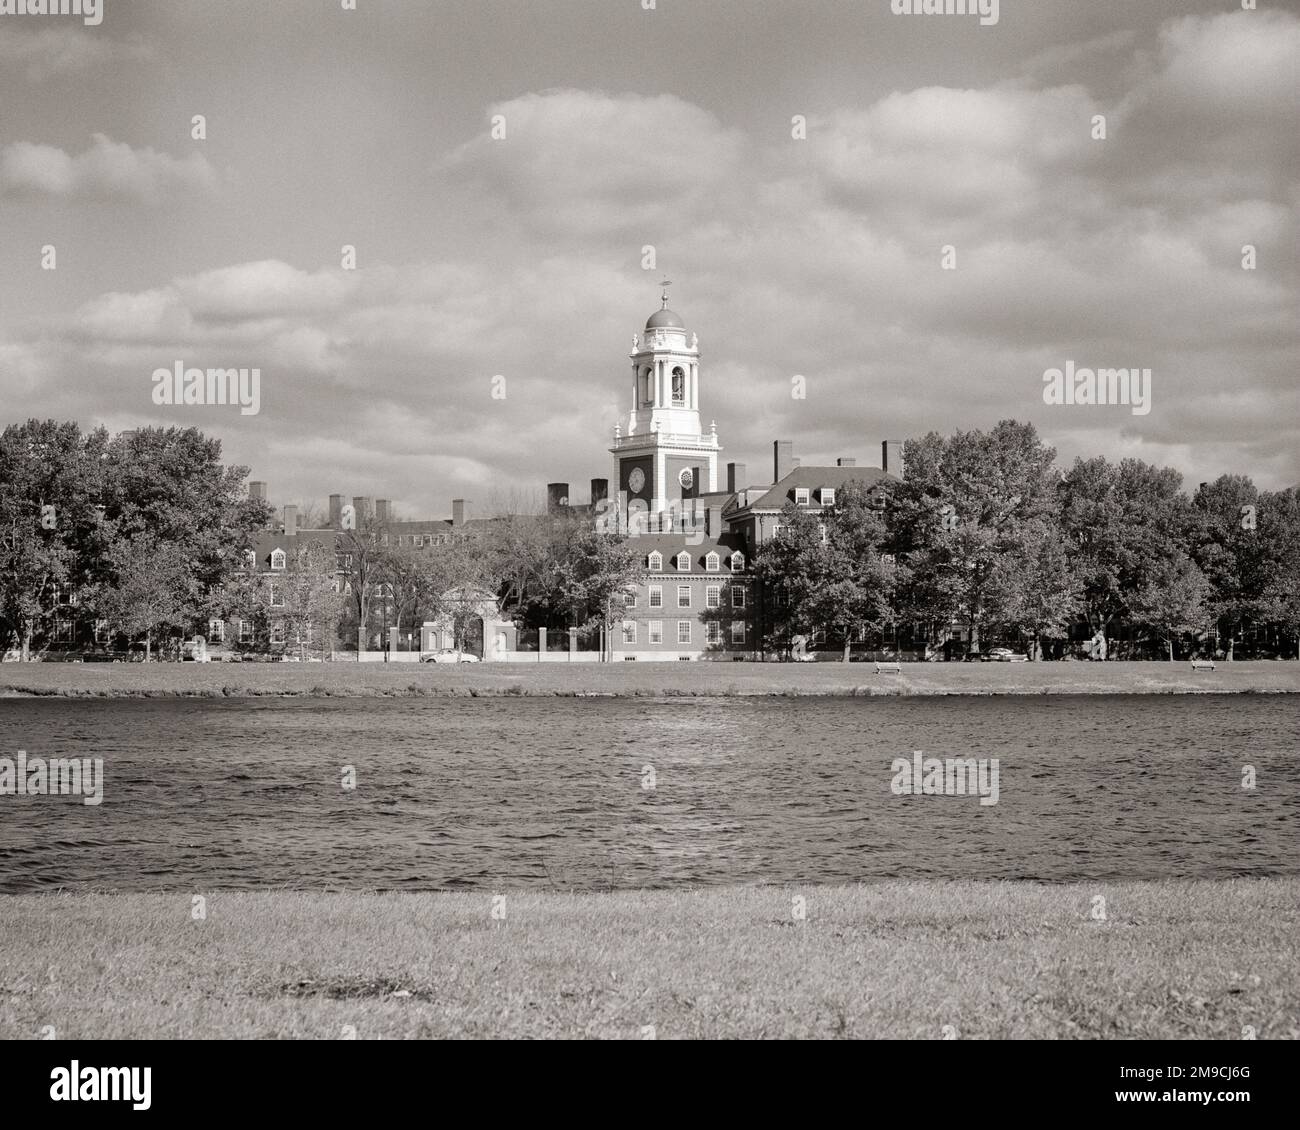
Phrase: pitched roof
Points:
(778, 494)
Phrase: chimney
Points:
(736, 477)
(782, 459)
(257, 489)
(290, 521)
(361, 505)
(599, 490)
(713, 521)
(381, 509)
(846, 461)
(557, 497)
(457, 512)
(336, 512)
(891, 458)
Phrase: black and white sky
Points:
(672, 128)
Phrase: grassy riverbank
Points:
(638, 679)
(1198, 959)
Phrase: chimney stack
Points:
(381, 509)
(361, 505)
(257, 489)
(599, 490)
(457, 512)
(336, 512)
(783, 461)
(557, 497)
(891, 458)
(736, 477)
(713, 521)
(846, 461)
(290, 521)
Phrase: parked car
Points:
(449, 655)
(1004, 655)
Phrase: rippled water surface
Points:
(518, 792)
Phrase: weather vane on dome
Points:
(666, 284)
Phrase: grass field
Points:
(635, 679)
(1203, 959)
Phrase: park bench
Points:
(887, 668)
(1202, 664)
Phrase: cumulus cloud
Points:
(108, 169)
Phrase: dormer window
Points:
(250, 559)
(827, 496)
(801, 496)
(683, 562)
(655, 562)
(711, 562)
(737, 562)
(277, 559)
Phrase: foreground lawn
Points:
(349, 678)
(1013, 960)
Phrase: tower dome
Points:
(664, 319)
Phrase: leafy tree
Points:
(1279, 529)
(1172, 599)
(308, 593)
(1231, 551)
(1043, 593)
(155, 589)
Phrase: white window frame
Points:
(712, 632)
(683, 562)
(683, 630)
(801, 496)
(278, 560)
(276, 599)
(217, 630)
(101, 631)
(713, 596)
(250, 559)
(738, 631)
(683, 590)
(712, 563)
(656, 596)
(277, 631)
(655, 631)
(737, 555)
(737, 596)
(655, 562)
(629, 631)
(629, 598)
(245, 631)
(827, 495)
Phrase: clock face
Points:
(686, 478)
(636, 480)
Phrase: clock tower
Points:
(663, 455)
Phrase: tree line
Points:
(987, 532)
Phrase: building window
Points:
(738, 631)
(277, 596)
(683, 562)
(713, 596)
(101, 631)
(245, 631)
(656, 628)
(737, 562)
(713, 632)
(277, 559)
(776, 530)
(647, 388)
(629, 599)
(250, 559)
(712, 562)
(629, 631)
(217, 631)
(277, 632)
(656, 596)
(683, 596)
(683, 631)
(801, 496)
(655, 562)
(737, 596)
(827, 496)
(679, 386)
(63, 594)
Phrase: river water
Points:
(510, 793)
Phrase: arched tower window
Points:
(679, 386)
(647, 389)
